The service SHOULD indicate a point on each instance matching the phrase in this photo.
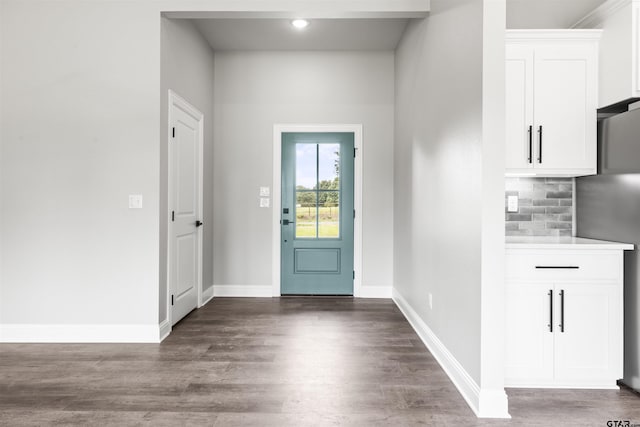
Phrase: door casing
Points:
(175, 100)
(278, 130)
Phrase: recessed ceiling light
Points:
(300, 23)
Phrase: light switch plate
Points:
(135, 201)
(512, 204)
(265, 192)
(264, 202)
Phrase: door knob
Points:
(199, 223)
(287, 222)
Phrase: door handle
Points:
(287, 222)
(550, 310)
(199, 223)
(540, 144)
(530, 158)
(562, 311)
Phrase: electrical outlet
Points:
(430, 301)
(135, 201)
(264, 202)
(265, 192)
(512, 204)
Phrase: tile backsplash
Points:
(545, 206)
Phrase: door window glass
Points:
(306, 214)
(317, 190)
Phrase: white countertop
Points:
(528, 242)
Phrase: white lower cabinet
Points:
(529, 355)
(564, 329)
(588, 342)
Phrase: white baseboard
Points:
(485, 403)
(165, 329)
(30, 333)
(374, 292)
(207, 295)
(247, 291)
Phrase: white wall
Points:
(437, 174)
(80, 114)
(254, 91)
(187, 68)
(448, 171)
(80, 132)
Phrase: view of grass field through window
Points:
(317, 190)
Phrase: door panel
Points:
(186, 256)
(317, 213)
(186, 164)
(587, 347)
(317, 260)
(564, 107)
(529, 350)
(185, 199)
(519, 107)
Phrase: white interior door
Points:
(185, 205)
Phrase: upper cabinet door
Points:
(551, 101)
(519, 107)
(565, 106)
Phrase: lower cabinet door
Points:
(588, 336)
(529, 341)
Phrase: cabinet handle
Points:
(530, 158)
(540, 144)
(550, 310)
(564, 267)
(562, 311)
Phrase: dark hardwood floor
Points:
(270, 362)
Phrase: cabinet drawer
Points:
(563, 265)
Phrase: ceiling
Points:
(548, 13)
(251, 33)
(321, 34)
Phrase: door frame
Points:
(175, 100)
(278, 130)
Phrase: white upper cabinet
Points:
(551, 102)
(619, 49)
(519, 106)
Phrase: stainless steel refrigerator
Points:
(608, 208)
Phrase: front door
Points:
(185, 200)
(317, 213)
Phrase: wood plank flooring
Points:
(270, 362)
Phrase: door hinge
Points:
(173, 216)
(354, 152)
(354, 214)
(354, 274)
(171, 299)
(173, 132)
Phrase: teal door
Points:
(317, 214)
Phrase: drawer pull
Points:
(563, 267)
